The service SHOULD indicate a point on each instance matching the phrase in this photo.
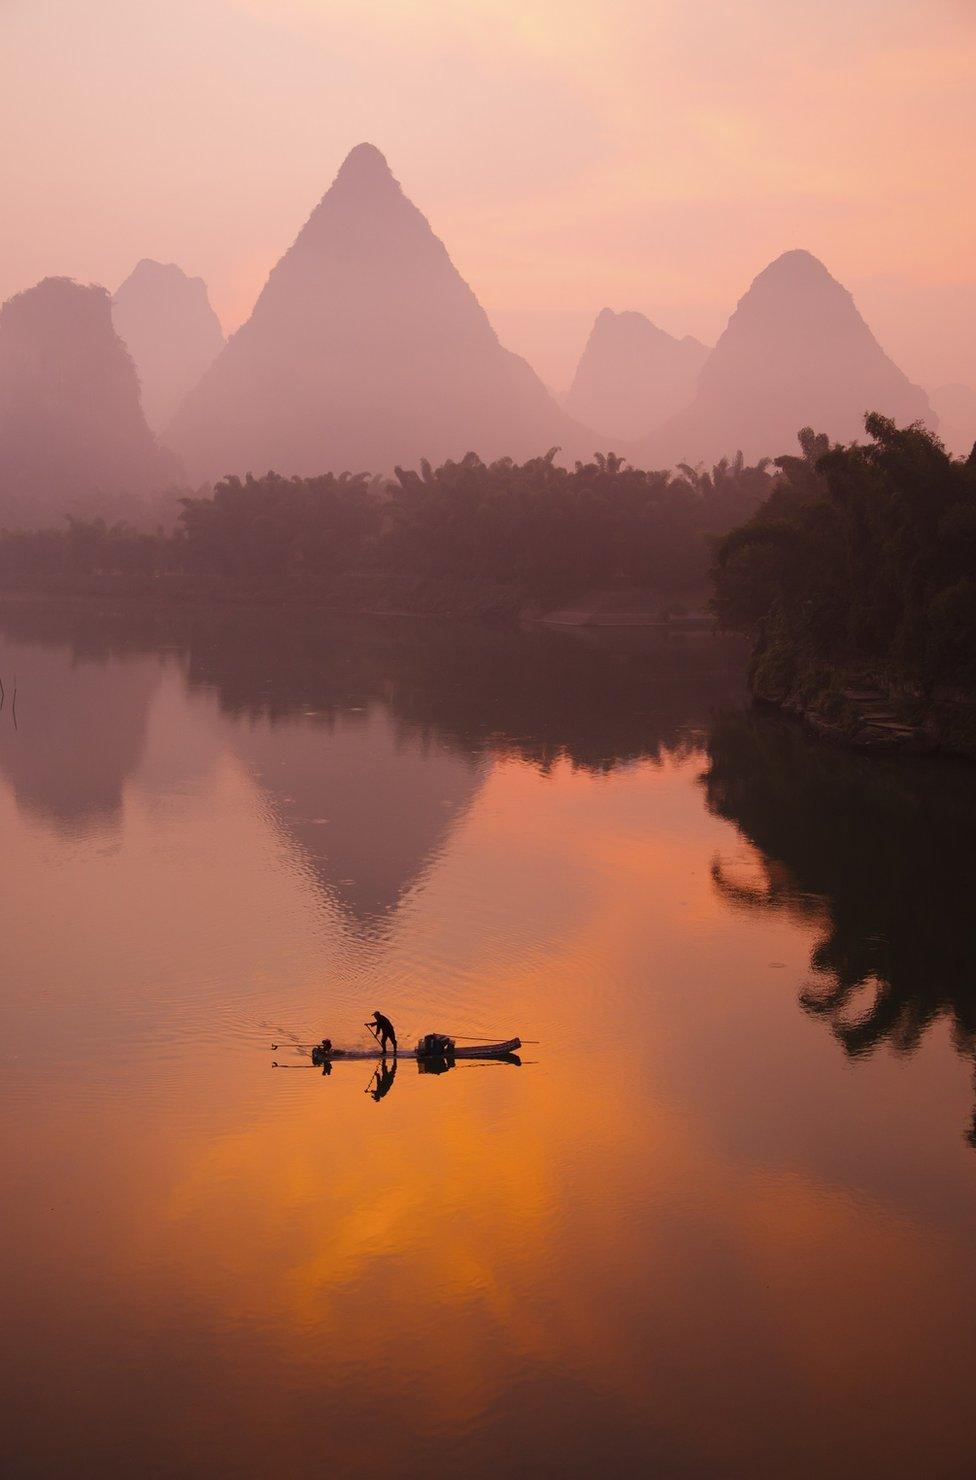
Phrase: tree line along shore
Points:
(853, 566)
(857, 576)
(467, 537)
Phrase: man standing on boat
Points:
(384, 1031)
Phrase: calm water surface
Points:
(719, 1223)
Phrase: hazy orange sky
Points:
(649, 154)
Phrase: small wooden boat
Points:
(433, 1046)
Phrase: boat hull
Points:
(472, 1051)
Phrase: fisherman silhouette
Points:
(383, 1029)
(384, 1077)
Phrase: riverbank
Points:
(862, 705)
(376, 594)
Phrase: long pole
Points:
(486, 1038)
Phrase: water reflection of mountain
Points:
(369, 807)
(370, 738)
(883, 850)
(80, 734)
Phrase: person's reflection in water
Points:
(383, 1079)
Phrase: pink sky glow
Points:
(645, 154)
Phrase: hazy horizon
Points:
(573, 184)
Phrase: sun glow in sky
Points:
(572, 154)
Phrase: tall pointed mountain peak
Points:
(366, 349)
(797, 268)
(365, 166)
(796, 352)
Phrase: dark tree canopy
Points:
(537, 527)
(862, 552)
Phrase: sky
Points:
(572, 154)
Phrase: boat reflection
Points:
(385, 1072)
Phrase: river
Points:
(720, 1220)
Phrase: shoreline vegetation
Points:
(603, 544)
(373, 594)
(852, 568)
(857, 579)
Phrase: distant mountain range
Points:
(171, 332)
(633, 376)
(366, 349)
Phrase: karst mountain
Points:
(171, 332)
(632, 376)
(73, 438)
(796, 353)
(366, 349)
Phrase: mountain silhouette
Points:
(171, 332)
(796, 353)
(73, 437)
(632, 376)
(366, 349)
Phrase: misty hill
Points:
(955, 406)
(796, 353)
(365, 349)
(72, 433)
(632, 376)
(171, 332)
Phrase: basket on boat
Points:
(435, 1053)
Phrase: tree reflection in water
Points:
(882, 852)
(595, 699)
(368, 738)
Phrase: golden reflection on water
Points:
(683, 1234)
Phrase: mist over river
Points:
(718, 1222)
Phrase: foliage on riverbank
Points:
(534, 528)
(858, 576)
